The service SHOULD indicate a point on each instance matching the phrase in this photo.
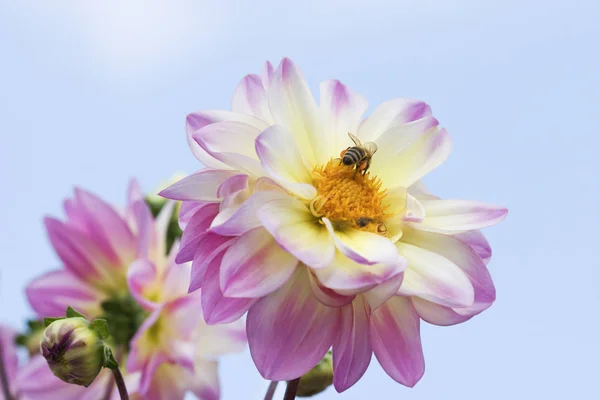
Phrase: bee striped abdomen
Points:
(353, 155)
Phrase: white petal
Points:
(250, 97)
(434, 278)
(298, 231)
(455, 216)
(283, 161)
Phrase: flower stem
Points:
(292, 388)
(4, 378)
(120, 384)
(271, 390)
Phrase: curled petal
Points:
(478, 242)
(232, 142)
(352, 350)
(298, 231)
(382, 292)
(396, 340)
(364, 247)
(198, 120)
(455, 216)
(350, 277)
(463, 256)
(327, 296)
(218, 309)
(255, 265)
(208, 247)
(201, 186)
(436, 314)
(289, 331)
(434, 278)
(284, 162)
(195, 231)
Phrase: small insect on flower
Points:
(358, 155)
(363, 221)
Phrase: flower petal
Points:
(342, 112)
(349, 277)
(218, 309)
(352, 350)
(250, 97)
(232, 143)
(198, 120)
(200, 186)
(327, 296)
(215, 340)
(51, 294)
(434, 278)
(382, 292)
(10, 360)
(298, 231)
(205, 384)
(462, 255)
(391, 114)
(396, 340)
(436, 314)
(208, 247)
(109, 229)
(284, 162)
(405, 164)
(364, 247)
(255, 265)
(455, 216)
(478, 242)
(195, 231)
(289, 331)
(293, 106)
(141, 277)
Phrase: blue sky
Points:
(93, 93)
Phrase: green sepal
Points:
(109, 359)
(48, 321)
(72, 313)
(21, 340)
(100, 326)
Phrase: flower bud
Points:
(317, 379)
(74, 351)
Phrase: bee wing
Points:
(370, 147)
(354, 139)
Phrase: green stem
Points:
(291, 390)
(4, 377)
(120, 384)
(271, 390)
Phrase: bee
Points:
(358, 155)
(363, 221)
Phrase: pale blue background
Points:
(93, 94)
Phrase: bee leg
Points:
(367, 164)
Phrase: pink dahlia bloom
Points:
(96, 244)
(321, 251)
(174, 351)
(35, 381)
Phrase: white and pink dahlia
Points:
(321, 256)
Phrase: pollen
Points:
(348, 199)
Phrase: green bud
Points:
(74, 349)
(317, 379)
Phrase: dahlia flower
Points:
(174, 350)
(96, 244)
(326, 245)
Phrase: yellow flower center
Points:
(348, 199)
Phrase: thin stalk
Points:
(4, 377)
(291, 390)
(271, 390)
(120, 384)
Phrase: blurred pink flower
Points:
(174, 350)
(318, 254)
(96, 244)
